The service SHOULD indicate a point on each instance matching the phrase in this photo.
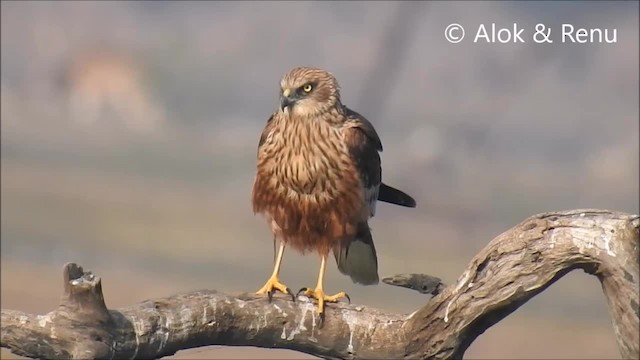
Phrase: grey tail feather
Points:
(357, 258)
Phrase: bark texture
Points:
(510, 270)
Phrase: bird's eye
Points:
(307, 88)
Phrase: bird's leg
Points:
(273, 283)
(319, 294)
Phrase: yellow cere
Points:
(286, 92)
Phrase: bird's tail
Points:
(392, 195)
(357, 258)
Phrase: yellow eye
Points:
(307, 88)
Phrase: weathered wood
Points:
(422, 283)
(524, 261)
(513, 268)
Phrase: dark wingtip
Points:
(392, 195)
(410, 202)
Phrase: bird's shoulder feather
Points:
(266, 131)
(355, 120)
(364, 145)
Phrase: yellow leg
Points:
(273, 283)
(319, 294)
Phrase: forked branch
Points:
(513, 268)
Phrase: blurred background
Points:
(129, 135)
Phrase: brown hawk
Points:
(318, 179)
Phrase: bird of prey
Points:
(318, 178)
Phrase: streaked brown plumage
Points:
(318, 179)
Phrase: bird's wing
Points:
(357, 257)
(364, 146)
(392, 195)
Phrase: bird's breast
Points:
(308, 185)
(306, 158)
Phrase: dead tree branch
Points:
(422, 283)
(513, 268)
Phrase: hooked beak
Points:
(286, 100)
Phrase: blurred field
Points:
(129, 132)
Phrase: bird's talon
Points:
(303, 290)
(293, 297)
(273, 285)
(348, 298)
(320, 320)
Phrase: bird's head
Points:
(306, 91)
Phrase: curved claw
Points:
(321, 320)
(293, 297)
(304, 289)
(273, 285)
(348, 298)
